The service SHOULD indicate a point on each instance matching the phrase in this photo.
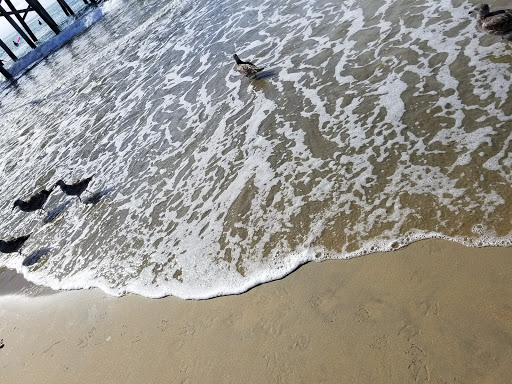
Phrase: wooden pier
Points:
(16, 17)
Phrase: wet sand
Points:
(12, 282)
(434, 312)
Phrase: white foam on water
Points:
(369, 130)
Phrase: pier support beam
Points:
(8, 51)
(4, 71)
(21, 20)
(44, 15)
(16, 27)
(66, 8)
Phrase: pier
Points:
(16, 18)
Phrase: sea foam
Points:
(375, 125)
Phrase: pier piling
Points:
(8, 51)
(44, 15)
(21, 19)
(22, 27)
(65, 7)
(24, 36)
(4, 72)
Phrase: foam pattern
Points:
(374, 125)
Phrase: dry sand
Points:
(433, 312)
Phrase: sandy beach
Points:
(434, 312)
(371, 125)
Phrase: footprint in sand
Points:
(274, 328)
(137, 338)
(301, 343)
(429, 308)
(188, 330)
(408, 331)
(315, 301)
(380, 342)
(362, 315)
(84, 342)
(164, 324)
(419, 370)
(330, 317)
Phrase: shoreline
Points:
(14, 282)
(435, 311)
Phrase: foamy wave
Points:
(375, 125)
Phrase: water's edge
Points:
(14, 282)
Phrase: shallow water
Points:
(373, 125)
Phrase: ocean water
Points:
(374, 125)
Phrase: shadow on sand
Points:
(34, 257)
(97, 196)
